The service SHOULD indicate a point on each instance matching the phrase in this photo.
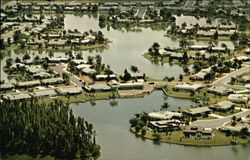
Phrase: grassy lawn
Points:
(201, 94)
(227, 113)
(82, 97)
(176, 137)
(205, 118)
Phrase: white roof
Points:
(164, 115)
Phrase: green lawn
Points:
(176, 137)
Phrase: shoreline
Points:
(187, 144)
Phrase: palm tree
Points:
(165, 106)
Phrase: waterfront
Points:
(117, 142)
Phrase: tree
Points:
(58, 133)
(156, 48)
(66, 77)
(186, 70)
(134, 69)
(244, 131)
(181, 77)
(51, 54)
(126, 76)
(2, 44)
(26, 56)
(165, 106)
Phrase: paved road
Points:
(226, 79)
(61, 69)
(216, 123)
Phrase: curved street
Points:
(216, 123)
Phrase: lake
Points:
(117, 142)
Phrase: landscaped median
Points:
(176, 137)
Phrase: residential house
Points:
(28, 84)
(165, 125)
(245, 79)
(34, 69)
(98, 88)
(57, 59)
(223, 106)
(69, 90)
(164, 115)
(201, 75)
(52, 81)
(198, 47)
(188, 87)
(198, 133)
(218, 49)
(16, 96)
(105, 77)
(220, 90)
(238, 98)
(6, 86)
(57, 43)
(199, 111)
(79, 61)
(44, 93)
(89, 71)
(129, 85)
(42, 75)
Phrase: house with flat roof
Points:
(245, 79)
(69, 90)
(218, 49)
(82, 66)
(176, 55)
(130, 85)
(129, 4)
(147, 3)
(220, 90)
(17, 66)
(226, 33)
(59, 42)
(6, 86)
(89, 71)
(28, 84)
(105, 77)
(238, 98)
(111, 4)
(34, 69)
(194, 132)
(57, 59)
(164, 115)
(205, 33)
(223, 106)
(165, 125)
(16, 96)
(188, 87)
(198, 47)
(199, 111)
(51, 81)
(98, 88)
(79, 61)
(43, 93)
(42, 75)
(247, 51)
(200, 75)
